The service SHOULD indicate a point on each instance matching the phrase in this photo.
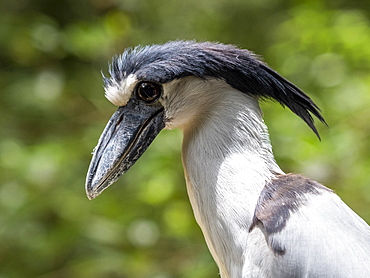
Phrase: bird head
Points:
(163, 86)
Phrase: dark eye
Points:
(149, 91)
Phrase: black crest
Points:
(240, 68)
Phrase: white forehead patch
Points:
(119, 93)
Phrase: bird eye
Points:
(148, 91)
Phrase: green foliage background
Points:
(52, 111)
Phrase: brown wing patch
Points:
(281, 197)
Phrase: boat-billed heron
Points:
(257, 220)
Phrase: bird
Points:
(257, 220)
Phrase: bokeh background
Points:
(52, 111)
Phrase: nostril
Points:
(120, 119)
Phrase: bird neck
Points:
(227, 158)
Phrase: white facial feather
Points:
(120, 93)
(188, 100)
